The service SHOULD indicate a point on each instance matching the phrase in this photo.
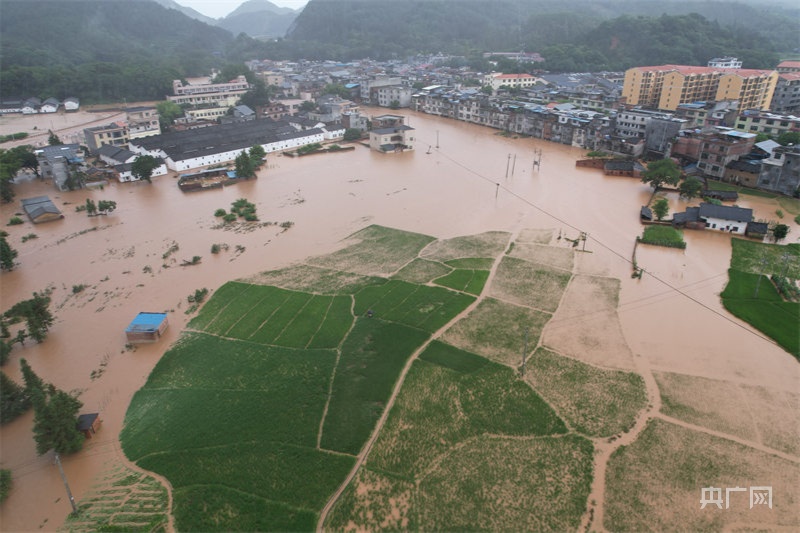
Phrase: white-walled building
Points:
(191, 149)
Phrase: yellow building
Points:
(665, 87)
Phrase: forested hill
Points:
(360, 28)
(110, 50)
(102, 50)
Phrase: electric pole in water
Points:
(66, 485)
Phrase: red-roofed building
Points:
(788, 66)
(786, 100)
(665, 87)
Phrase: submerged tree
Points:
(14, 399)
(7, 255)
(143, 166)
(104, 207)
(660, 208)
(53, 139)
(244, 165)
(661, 172)
(55, 415)
(691, 188)
(257, 155)
(91, 207)
(780, 231)
(36, 313)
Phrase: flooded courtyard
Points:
(461, 179)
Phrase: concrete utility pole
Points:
(66, 485)
(514, 165)
(763, 262)
(508, 162)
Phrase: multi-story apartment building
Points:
(762, 122)
(142, 121)
(495, 80)
(388, 95)
(719, 148)
(633, 122)
(788, 66)
(786, 99)
(368, 84)
(725, 62)
(665, 87)
(209, 94)
(115, 134)
(708, 114)
(781, 171)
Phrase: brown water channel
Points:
(474, 181)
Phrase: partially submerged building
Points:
(146, 327)
(731, 219)
(40, 209)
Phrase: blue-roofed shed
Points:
(147, 327)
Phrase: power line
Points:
(608, 248)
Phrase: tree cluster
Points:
(11, 162)
(55, 415)
(38, 320)
(102, 207)
(7, 253)
(248, 162)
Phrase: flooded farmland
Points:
(472, 181)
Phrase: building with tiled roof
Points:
(788, 66)
(665, 87)
(786, 99)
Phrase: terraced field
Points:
(386, 391)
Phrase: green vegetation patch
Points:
(656, 482)
(209, 391)
(376, 251)
(778, 319)
(530, 284)
(218, 508)
(753, 413)
(269, 315)
(422, 271)
(553, 256)
(372, 358)
(374, 501)
(124, 500)
(217, 304)
(663, 236)
(594, 401)
(497, 330)
(442, 405)
(488, 244)
(498, 484)
(748, 255)
(314, 279)
(469, 281)
(296, 476)
(471, 263)
(419, 306)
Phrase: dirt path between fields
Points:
(362, 456)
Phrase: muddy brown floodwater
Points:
(474, 181)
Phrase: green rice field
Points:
(257, 414)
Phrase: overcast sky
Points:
(219, 8)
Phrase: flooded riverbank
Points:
(474, 181)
